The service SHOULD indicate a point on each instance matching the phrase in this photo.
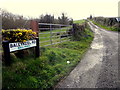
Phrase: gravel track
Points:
(99, 67)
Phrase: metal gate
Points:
(51, 34)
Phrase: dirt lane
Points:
(99, 67)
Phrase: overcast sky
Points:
(76, 9)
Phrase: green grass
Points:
(79, 21)
(47, 70)
(106, 27)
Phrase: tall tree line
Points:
(12, 21)
(63, 19)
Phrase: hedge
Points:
(17, 35)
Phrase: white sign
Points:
(21, 45)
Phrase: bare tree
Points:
(11, 21)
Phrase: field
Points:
(79, 21)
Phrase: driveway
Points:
(99, 67)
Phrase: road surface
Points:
(99, 67)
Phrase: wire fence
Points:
(51, 34)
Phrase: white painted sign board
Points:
(21, 45)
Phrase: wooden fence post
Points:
(73, 29)
(6, 53)
(37, 48)
(60, 32)
(51, 34)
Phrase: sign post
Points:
(37, 51)
(6, 53)
(11, 47)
